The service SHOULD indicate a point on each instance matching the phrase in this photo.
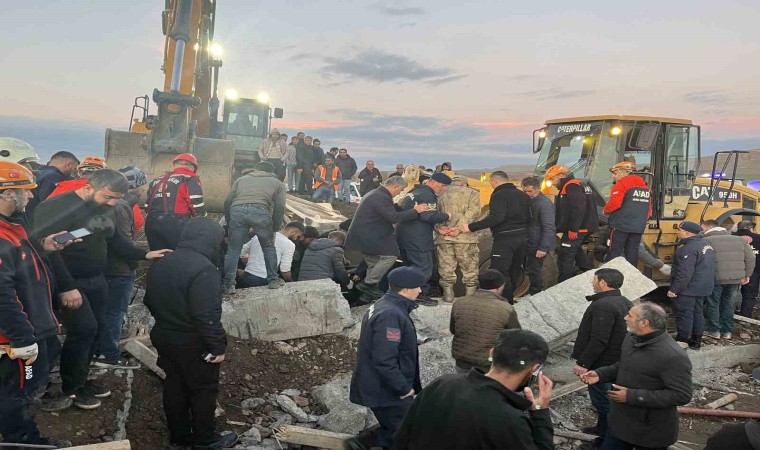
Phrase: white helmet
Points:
(16, 150)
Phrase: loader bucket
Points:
(215, 160)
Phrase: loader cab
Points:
(666, 153)
(245, 122)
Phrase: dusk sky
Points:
(416, 81)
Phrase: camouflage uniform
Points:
(462, 204)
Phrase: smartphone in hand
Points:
(76, 234)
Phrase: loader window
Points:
(571, 145)
(681, 158)
(244, 124)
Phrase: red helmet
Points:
(188, 158)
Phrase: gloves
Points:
(28, 353)
(572, 235)
(665, 269)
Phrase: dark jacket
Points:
(542, 231)
(754, 243)
(47, 178)
(473, 412)
(417, 235)
(387, 361)
(304, 156)
(508, 213)
(576, 210)
(323, 259)
(183, 291)
(371, 231)
(26, 288)
(319, 155)
(68, 212)
(736, 436)
(602, 330)
(124, 219)
(629, 206)
(657, 374)
(693, 270)
(476, 321)
(347, 166)
(365, 180)
(734, 259)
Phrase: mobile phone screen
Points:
(82, 232)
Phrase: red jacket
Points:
(178, 192)
(73, 185)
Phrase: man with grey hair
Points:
(372, 233)
(652, 378)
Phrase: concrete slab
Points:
(719, 356)
(319, 215)
(300, 309)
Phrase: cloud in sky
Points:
(713, 97)
(396, 11)
(380, 67)
(557, 93)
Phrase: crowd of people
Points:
(68, 261)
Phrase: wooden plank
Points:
(723, 401)
(746, 319)
(568, 388)
(145, 356)
(314, 438)
(114, 445)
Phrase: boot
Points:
(695, 343)
(448, 294)
(471, 290)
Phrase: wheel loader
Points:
(188, 109)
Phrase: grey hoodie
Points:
(323, 259)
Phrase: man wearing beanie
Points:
(477, 320)
(508, 218)
(387, 373)
(415, 237)
(692, 279)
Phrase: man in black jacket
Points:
(305, 165)
(508, 218)
(369, 178)
(486, 411)
(600, 336)
(347, 166)
(372, 233)
(415, 237)
(746, 229)
(184, 293)
(60, 167)
(652, 378)
(89, 207)
(576, 218)
(387, 373)
(542, 233)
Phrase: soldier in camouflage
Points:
(462, 204)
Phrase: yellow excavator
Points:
(188, 109)
(667, 153)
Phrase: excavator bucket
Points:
(215, 161)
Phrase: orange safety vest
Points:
(322, 172)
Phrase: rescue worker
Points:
(692, 279)
(327, 179)
(387, 373)
(508, 218)
(629, 209)
(88, 165)
(173, 199)
(28, 326)
(454, 249)
(576, 219)
(18, 151)
(415, 237)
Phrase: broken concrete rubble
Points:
(343, 416)
(290, 407)
(301, 309)
(318, 215)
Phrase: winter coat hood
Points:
(321, 244)
(272, 131)
(202, 235)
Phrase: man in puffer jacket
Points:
(324, 259)
(734, 264)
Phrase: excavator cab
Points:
(246, 122)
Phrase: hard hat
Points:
(92, 163)
(135, 176)
(555, 170)
(15, 176)
(626, 166)
(187, 157)
(16, 150)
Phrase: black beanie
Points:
(491, 279)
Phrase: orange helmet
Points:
(15, 176)
(626, 166)
(188, 158)
(92, 163)
(555, 170)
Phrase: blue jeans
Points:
(719, 309)
(249, 280)
(598, 395)
(292, 178)
(324, 192)
(119, 293)
(242, 218)
(344, 191)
